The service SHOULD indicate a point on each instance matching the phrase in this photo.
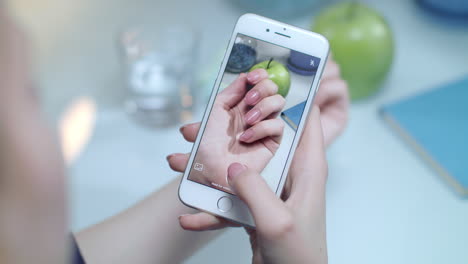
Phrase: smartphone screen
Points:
(269, 118)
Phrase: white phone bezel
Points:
(205, 198)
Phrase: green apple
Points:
(361, 43)
(278, 73)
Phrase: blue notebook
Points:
(292, 116)
(435, 124)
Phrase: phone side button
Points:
(224, 204)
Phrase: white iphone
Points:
(275, 108)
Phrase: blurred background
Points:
(95, 66)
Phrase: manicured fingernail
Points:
(181, 129)
(253, 77)
(235, 170)
(172, 155)
(182, 215)
(246, 135)
(252, 116)
(252, 97)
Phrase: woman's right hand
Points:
(290, 229)
(333, 101)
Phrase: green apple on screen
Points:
(361, 43)
(278, 73)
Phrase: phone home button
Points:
(224, 204)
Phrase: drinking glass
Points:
(159, 66)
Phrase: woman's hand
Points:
(242, 127)
(333, 101)
(298, 233)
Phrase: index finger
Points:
(234, 93)
(257, 76)
(331, 71)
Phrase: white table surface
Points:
(383, 204)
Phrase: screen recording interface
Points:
(253, 121)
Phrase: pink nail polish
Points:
(248, 134)
(253, 77)
(252, 116)
(182, 215)
(252, 97)
(169, 156)
(181, 129)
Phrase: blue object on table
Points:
(303, 64)
(242, 58)
(435, 124)
(292, 116)
(447, 7)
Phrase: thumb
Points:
(255, 192)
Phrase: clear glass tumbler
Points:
(159, 67)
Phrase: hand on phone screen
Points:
(242, 128)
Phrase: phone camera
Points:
(267, 30)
